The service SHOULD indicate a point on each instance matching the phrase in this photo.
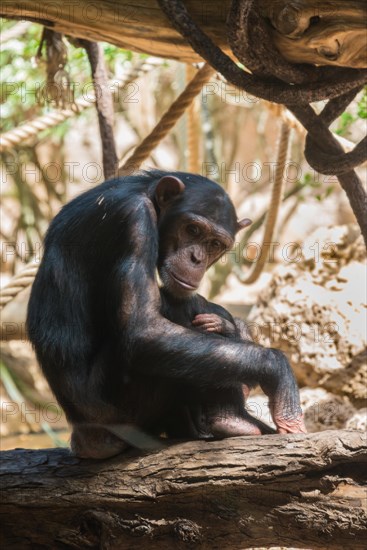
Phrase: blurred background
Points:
(310, 299)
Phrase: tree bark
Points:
(104, 106)
(303, 491)
(319, 32)
(312, 31)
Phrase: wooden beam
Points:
(304, 491)
(319, 32)
(312, 31)
(138, 26)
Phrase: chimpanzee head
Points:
(197, 224)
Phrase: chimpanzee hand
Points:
(210, 322)
(284, 402)
(295, 426)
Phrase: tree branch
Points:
(304, 491)
(337, 38)
(104, 106)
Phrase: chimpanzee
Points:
(94, 316)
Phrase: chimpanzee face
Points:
(192, 237)
(191, 245)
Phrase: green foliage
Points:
(19, 77)
(24, 97)
(362, 105)
(23, 76)
(345, 122)
(347, 118)
(322, 187)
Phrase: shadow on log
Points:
(304, 491)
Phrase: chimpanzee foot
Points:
(233, 426)
(95, 442)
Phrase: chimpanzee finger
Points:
(203, 318)
(212, 328)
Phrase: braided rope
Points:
(285, 114)
(193, 128)
(320, 82)
(26, 277)
(275, 201)
(16, 136)
(18, 283)
(167, 121)
(274, 79)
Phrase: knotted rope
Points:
(18, 283)
(179, 106)
(273, 79)
(14, 137)
(296, 86)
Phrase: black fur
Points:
(100, 330)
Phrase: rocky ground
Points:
(315, 311)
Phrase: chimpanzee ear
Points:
(243, 223)
(168, 188)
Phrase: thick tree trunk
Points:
(312, 31)
(303, 491)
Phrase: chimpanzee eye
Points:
(193, 230)
(216, 246)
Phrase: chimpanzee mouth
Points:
(182, 283)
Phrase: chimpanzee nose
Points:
(194, 259)
(197, 256)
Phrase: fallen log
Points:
(303, 491)
(311, 31)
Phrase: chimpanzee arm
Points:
(161, 348)
(243, 330)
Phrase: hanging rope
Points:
(14, 137)
(277, 110)
(18, 283)
(167, 121)
(193, 128)
(275, 202)
(276, 80)
(26, 277)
